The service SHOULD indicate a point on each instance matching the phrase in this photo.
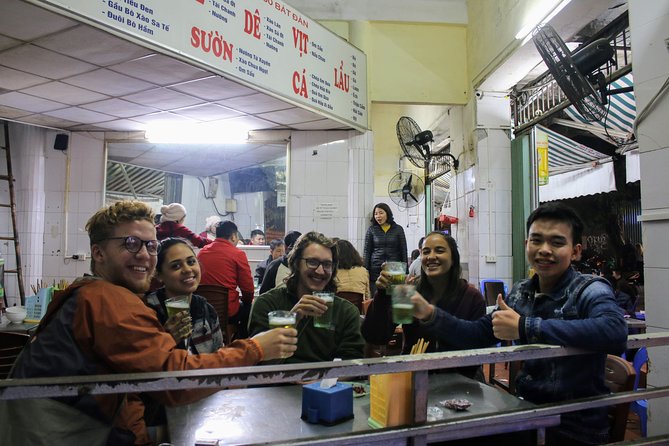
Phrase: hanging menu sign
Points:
(265, 43)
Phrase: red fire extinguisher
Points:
(471, 211)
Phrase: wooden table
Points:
(272, 415)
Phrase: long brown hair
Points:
(452, 276)
(295, 257)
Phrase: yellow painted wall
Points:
(417, 63)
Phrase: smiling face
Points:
(550, 250)
(310, 279)
(114, 263)
(436, 257)
(380, 216)
(180, 271)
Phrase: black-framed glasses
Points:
(134, 244)
(315, 263)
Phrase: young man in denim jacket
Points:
(556, 306)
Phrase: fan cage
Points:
(575, 86)
(396, 184)
(407, 129)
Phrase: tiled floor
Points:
(633, 431)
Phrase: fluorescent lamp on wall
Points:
(539, 18)
(202, 133)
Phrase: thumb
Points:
(501, 304)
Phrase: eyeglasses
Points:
(315, 263)
(134, 244)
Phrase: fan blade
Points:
(409, 182)
(395, 191)
(414, 198)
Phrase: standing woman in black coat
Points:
(384, 242)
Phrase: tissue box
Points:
(327, 406)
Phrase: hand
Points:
(279, 343)
(309, 305)
(505, 321)
(411, 278)
(422, 309)
(383, 281)
(179, 326)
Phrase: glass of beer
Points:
(281, 319)
(402, 305)
(325, 319)
(398, 272)
(176, 305)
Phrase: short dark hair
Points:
(349, 257)
(290, 239)
(296, 255)
(257, 232)
(559, 211)
(420, 242)
(386, 209)
(225, 229)
(275, 244)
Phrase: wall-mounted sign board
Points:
(262, 43)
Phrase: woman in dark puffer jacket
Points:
(384, 242)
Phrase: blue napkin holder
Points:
(327, 406)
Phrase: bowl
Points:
(16, 315)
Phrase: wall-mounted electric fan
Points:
(577, 74)
(406, 189)
(416, 145)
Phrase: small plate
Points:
(359, 389)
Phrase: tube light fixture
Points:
(198, 133)
(537, 19)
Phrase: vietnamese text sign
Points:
(266, 43)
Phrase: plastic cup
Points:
(398, 272)
(177, 304)
(281, 319)
(325, 319)
(402, 305)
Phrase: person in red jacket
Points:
(226, 265)
(172, 217)
(99, 325)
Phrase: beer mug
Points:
(281, 319)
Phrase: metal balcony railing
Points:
(542, 98)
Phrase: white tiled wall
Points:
(40, 173)
(330, 170)
(649, 22)
(488, 188)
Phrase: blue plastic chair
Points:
(640, 407)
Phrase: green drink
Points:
(325, 319)
(402, 305)
(176, 305)
(397, 272)
(281, 319)
(403, 313)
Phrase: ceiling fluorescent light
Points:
(537, 19)
(202, 133)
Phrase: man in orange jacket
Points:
(99, 325)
